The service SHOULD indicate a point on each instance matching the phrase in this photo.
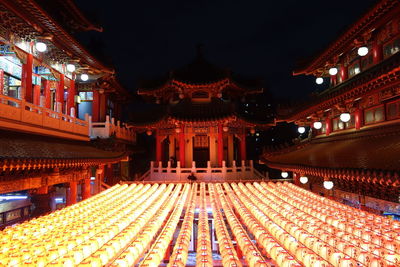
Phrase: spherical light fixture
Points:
(225, 129)
(284, 174)
(84, 77)
(252, 131)
(303, 179)
(345, 117)
(301, 129)
(70, 67)
(149, 132)
(328, 185)
(317, 125)
(333, 71)
(362, 51)
(181, 96)
(319, 80)
(41, 47)
(177, 130)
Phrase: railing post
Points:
(168, 167)
(107, 126)
(223, 169)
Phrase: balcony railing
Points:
(210, 174)
(16, 114)
(109, 128)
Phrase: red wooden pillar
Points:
(26, 82)
(96, 106)
(36, 95)
(243, 146)
(220, 142)
(158, 147)
(60, 94)
(333, 80)
(358, 118)
(182, 146)
(296, 179)
(47, 94)
(328, 126)
(377, 53)
(103, 107)
(71, 99)
(1, 82)
(72, 193)
(343, 73)
(86, 188)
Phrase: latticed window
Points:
(374, 115)
(393, 110)
(200, 141)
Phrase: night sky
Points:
(257, 38)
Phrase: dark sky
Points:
(256, 38)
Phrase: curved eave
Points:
(88, 25)
(366, 23)
(375, 78)
(178, 85)
(40, 20)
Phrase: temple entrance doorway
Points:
(201, 151)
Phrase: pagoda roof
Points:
(363, 26)
(373, 149)
(202, 74)
(189, 112)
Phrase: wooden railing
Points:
(109, 127)
(36, 118)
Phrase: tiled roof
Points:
(15, 145)
(372, 149)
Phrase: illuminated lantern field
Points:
(254, 224)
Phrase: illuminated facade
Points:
(354, 124)
(54, 98)
(202, 115)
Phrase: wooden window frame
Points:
(387, 110)
(373, 108)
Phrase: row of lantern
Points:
(180, 252)
(377, 227)
(204, 252)
(42, 47)
(261, 227)
(136, 238)
(159, 247)
(361, 51)
(226, 248)
(344, 117)
(45, 238)
(305, 229)
(340, 233)
(288, 246)
(248, 248)
(114, 233)
(328, 184)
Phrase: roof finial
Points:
(200, 47)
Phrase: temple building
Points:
(202, 116)
(61, 127)
(55, 97)
(353, 126)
